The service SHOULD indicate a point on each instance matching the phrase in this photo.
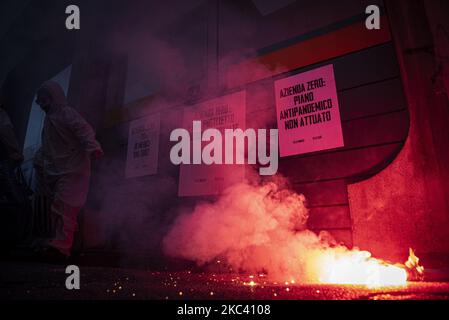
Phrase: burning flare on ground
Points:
(263, 229)
(359, 268)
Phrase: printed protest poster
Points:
(308, 114)
(225, 112)
(143, 146)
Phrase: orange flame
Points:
(415, 270)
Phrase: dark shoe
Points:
(53, 256)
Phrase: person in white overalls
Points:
(63, 163)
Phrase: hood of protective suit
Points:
(56, 93)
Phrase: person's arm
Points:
(9, 141)
(84, 132)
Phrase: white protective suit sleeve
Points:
(82, 130)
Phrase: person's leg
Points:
(65, 226)
(70, 192)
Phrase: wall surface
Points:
(406, 205)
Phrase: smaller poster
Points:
(308, 114)
(225, 112)
(143, 147)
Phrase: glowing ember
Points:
(359, 268)
(251, 283)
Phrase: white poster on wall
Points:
(308, 114)
(143, 146)
(225, 112)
